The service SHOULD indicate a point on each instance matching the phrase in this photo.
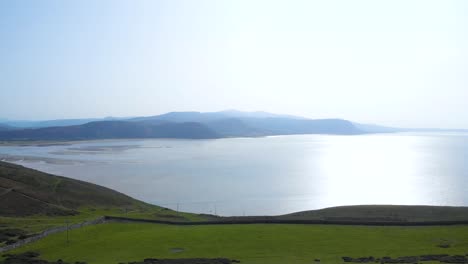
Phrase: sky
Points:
(397, 63)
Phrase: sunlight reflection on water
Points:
(271, 175)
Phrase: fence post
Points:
(67, 230)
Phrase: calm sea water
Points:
(266, 176)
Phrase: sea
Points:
(266, 175)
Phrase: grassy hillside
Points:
(26, 192)
(32, 201)
(385, 213)
(122, 242)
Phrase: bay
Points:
(269, 175)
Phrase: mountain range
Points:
(188, 125)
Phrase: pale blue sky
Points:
(400, 63)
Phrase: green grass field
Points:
(256, 243)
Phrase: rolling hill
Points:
(25, 192)
(385, 213)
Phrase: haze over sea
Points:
(268, 175)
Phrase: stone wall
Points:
(50, 232)
(273, 220)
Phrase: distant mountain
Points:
(234, 127)
(172, 117)
(288, 126)
(54, 123)
(256, 114)
(210, 116)
(111, 130)
(182, 117)
(189, 125)
(232, 123)
(5, 127)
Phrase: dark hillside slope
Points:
(25, 192)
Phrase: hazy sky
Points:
(401, 63)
